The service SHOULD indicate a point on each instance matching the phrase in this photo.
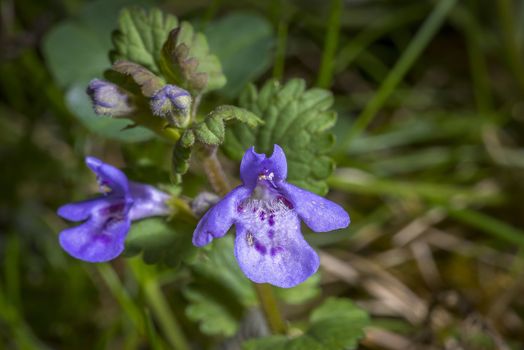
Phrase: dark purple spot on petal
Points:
(271, 220)
(255, 209)
(112, 209)
(276, 250)
(240, 208)
(262, 215)
(285, 201)
(271, 234)
(102, 238)
(260, 248)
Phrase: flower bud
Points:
(109, 99)
(172, 103)
(203, 201)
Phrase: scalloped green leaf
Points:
(296, 119)
(148, 82)
(337, 324)
(160, 242)
(141, 36)
(214, 317)
(212, 130)
(188, 62)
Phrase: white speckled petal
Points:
(270, 248)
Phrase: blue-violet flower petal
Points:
(107, 218)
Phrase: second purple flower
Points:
(266, 211)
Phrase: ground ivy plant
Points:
(162, 70)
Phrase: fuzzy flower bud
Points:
(203, 201)
(109, 99)
(172, 103)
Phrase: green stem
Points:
(492, 226)
(210, 12)
(395, 76)
(280, 55)
(325, 75)
(267, 300)
(168, 323)
(434, 192)
(381, 26)
(12, 271)
(112, 281)
(22, 336)
(507, 22)
(159, 306)
(220, 184)
(467, 22)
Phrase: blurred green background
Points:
(430, 162)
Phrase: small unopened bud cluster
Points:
(109, 99)
(172, 103)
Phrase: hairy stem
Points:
(214, 172)
(218, 180)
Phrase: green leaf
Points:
(160, 242)
(294, 118)
(336, 325)
(220, 292)
(141, 35)
(148, 82)
(214, 317)
(74, 53)
(212, 130)
(188, 63)
(228, 113)
(235, 47)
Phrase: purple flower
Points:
(173, 103)
(266, 211)
(107, 218)
(109, 99)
